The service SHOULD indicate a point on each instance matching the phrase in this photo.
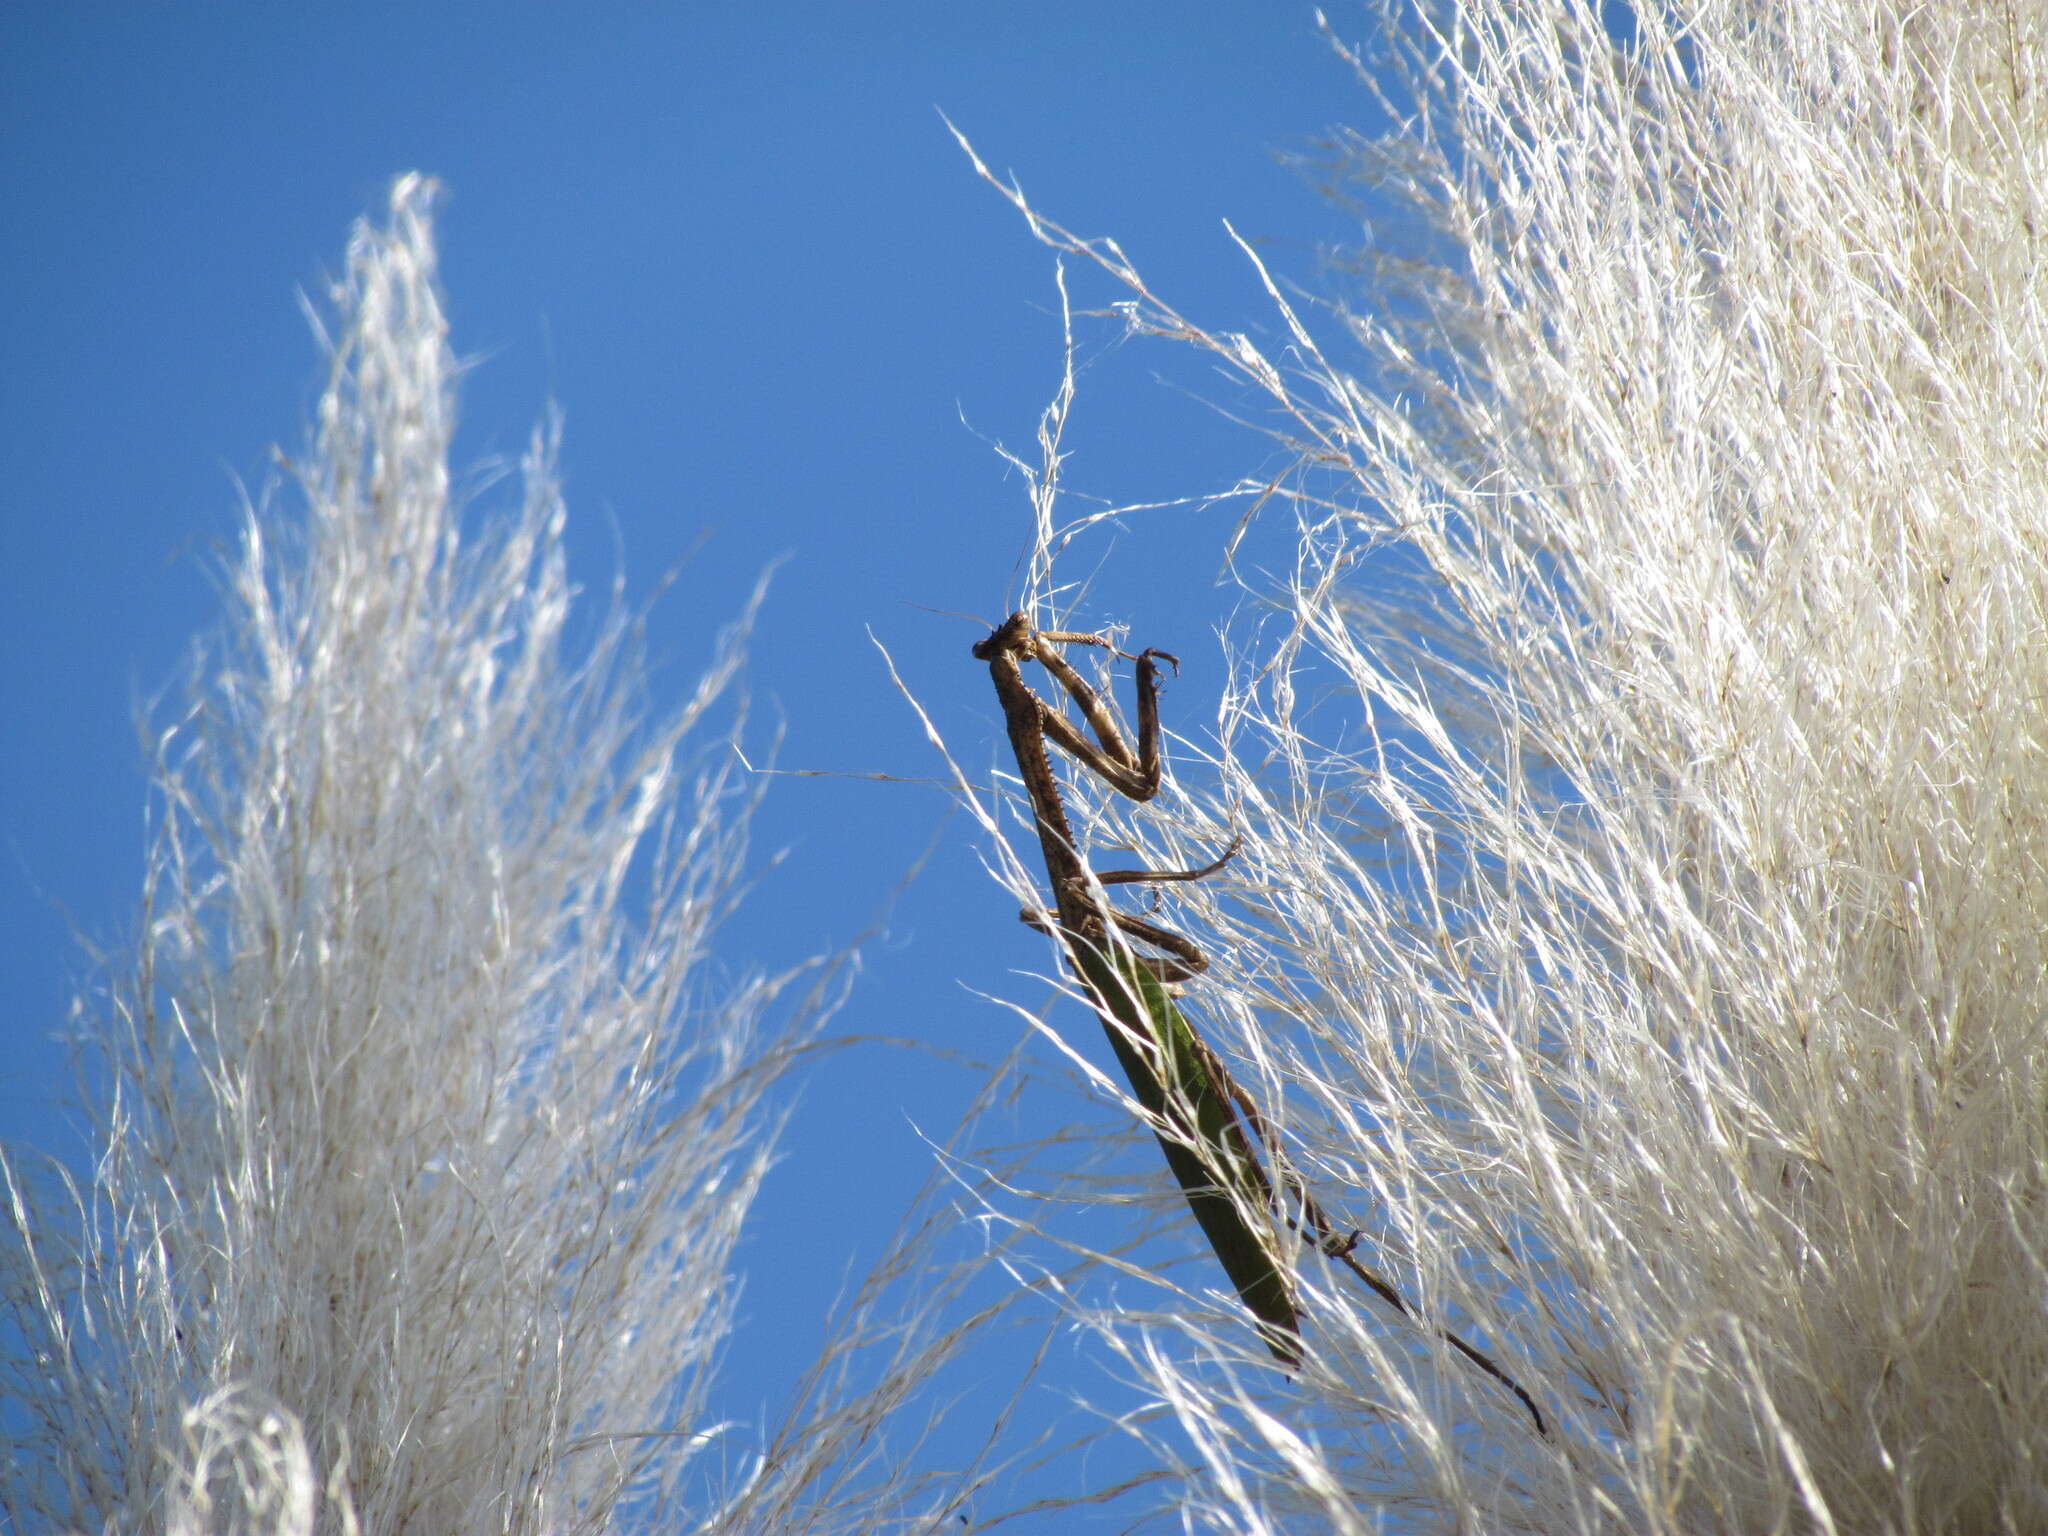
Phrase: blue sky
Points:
(736, 245)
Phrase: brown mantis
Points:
(1204, 1121)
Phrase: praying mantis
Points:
(1204, 1121)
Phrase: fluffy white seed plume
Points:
(429, 1135)
(1650, 952)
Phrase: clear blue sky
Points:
(737, 246)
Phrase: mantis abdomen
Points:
(1191, 1113)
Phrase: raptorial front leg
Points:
(1136, 775)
